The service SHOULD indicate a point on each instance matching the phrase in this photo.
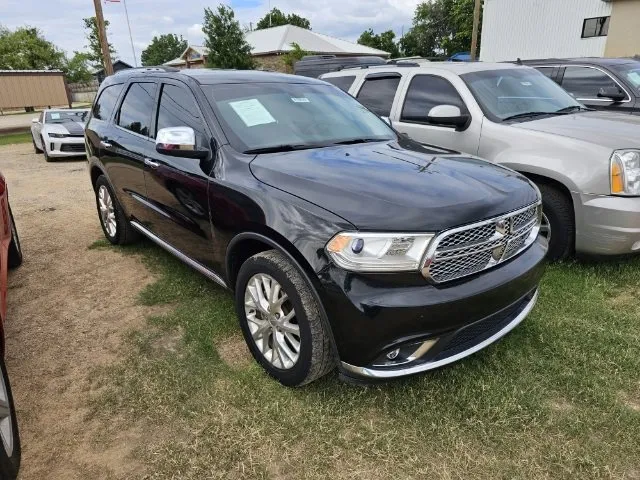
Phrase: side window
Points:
(546, 71)
(378, 93)
(585, 82)
(595, 27)
(137, 108)
(426, 92)
(343, 83)
(105, 104)
(178, 109)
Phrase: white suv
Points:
(586, 163)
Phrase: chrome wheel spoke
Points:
(272, 321)
(5, 411)
(107, 211)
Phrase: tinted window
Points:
(137, 108)
(595, 27)
(630, 71)
(546, 71)
(343, 83)
(426, 92)
(103, 108)
(377, 94)
(583, 82)
(178, 109)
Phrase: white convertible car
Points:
(59, 133)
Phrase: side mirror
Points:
(386, 120)
(34, 120)
(614, 93)
(179, 142)
(448, 116)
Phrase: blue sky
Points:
(61, 20)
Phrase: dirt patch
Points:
(561, 405)
(234, 352)
(69, 308)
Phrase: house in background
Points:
(117, 66)
(527, 29)
(268, 46)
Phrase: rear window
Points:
(103, 108)
(378, 93)
(343, 83)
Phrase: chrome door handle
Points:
(104, 144)
(150, 163)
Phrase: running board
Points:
(181, 256)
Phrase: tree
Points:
(276, 18)
(225, 40)
(26, 49)
(293, 56)
(384, 41)
(77, 68)
(162, 49)
(95, 50)
(440, 27)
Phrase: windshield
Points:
(64, 116)
(263, 116)
(503, 94)
(630, 71)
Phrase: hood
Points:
(608, 129)
(69, 128)
(383, 186)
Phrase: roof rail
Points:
(159, 68)
(385, 65)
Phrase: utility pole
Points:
(104, 44)
(476, 25)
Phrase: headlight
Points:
(57, 135)
(378, 252)
(625, 172)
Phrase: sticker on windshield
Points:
(55, 116)
(300, 100)
(526, 84)
(252, 112)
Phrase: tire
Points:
(15, 250)
(315, 352)
(558, 208)
(47, 158)
(35, 147)
(9, 460)
(118, 229)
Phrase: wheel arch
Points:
(95, 172)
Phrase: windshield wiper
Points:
(353, 141)
(574, 108)
(527, 114)
(281, 148)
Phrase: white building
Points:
(531, 29)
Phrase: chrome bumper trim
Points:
(366, 372)
(181, 256)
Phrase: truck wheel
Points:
(15, 250)
(281, 320)
(9, 437)
(561, 229)
(115, 225)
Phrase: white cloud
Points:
(167, 19)
(194, 33)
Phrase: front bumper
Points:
(65, 147)
(371, 317)
(607, 225)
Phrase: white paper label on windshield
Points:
(300, 100)
(252, 112)
(55, 116)
(526, 84)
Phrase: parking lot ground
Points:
(127, 364)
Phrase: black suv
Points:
(600, 83)
(345, 243)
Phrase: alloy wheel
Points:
(272, 321)
(6, 425)
(545, 228)
(107, 211)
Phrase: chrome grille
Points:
(471, 249)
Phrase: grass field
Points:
(557, 398)
(15, 138)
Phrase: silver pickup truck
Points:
(586, 163)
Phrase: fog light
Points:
(393, 354)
